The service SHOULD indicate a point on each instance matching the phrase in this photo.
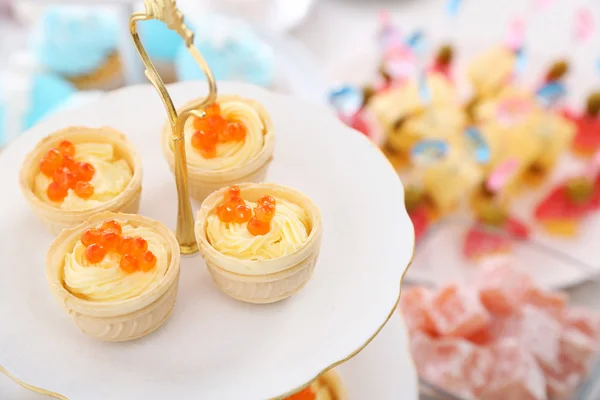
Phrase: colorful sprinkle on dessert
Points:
(66, 174)
(134, 252)
(234, 209)
(213, 129)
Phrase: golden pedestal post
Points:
(167, 12)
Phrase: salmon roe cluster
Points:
(66, 173)
(213, 129)
(305, 394)
(134, 252)
(234, 209)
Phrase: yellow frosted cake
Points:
(516, 126)
(506, 124)
(407, 117)
(449, 180)
(491, 70)
(554, 135)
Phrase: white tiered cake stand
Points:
(214, 347)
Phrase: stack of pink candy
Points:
(500, 337)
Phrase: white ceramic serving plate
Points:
(382, 371)
(214, 347)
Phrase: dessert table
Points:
(339, 46)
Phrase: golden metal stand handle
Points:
(167, 12)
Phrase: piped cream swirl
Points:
(234, 153)
(106, 281)
(110, 179)
(289, 231)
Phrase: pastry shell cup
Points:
(261, 281)
(56, 219)
(115, 321)
(333, 382)
(202, 182)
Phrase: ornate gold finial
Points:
(167, 12)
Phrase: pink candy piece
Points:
(415, 304)
(541, 335)
(584, 321)
(500, 327)
(478, 369)
(505, 327)
(562, 387)
(454, 364)
(561, 384)
(551, 302)
(500, 338)
(515, 374)
(457, 312)
(501, 288)
(578, 348)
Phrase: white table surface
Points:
(336, 29)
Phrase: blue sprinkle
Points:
(424, 92)
(428, 151)
(346, 99)
(521, 61)
(452, 7)
(416, 41)
(481, 150)
(550, 93)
